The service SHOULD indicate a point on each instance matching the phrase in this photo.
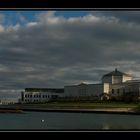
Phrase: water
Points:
(56, 120)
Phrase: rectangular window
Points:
(118, 91)
(112, 91)
(54, 96)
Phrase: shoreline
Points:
(10, 111)
(83, 111)
(21, 109)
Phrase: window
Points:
(30, 96)
(48, 96)
(112, 91)
(54, 96)
(118, 91)
(25, 95)
(39, 96)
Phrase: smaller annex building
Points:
(35, 95)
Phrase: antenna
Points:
(117, 67)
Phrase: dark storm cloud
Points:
(55, 51)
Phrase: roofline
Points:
(113, 74)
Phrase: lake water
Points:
(56, 120)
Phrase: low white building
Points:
(37, 95)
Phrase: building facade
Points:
(121, 85)
(83, 89)
(114, 84)
(37, 95)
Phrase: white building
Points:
(83, 89)
(113, 84)
(37, 95)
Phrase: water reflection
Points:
(106, 126)
(119, 126)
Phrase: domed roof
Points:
(116, 73)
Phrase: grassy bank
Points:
(90, 107)
(87, 104)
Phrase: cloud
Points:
(22, 18)
(125, 16)
(1, 28)
(53, 51)
(2, 18)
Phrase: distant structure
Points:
(116, 77)
(86, 90)
(114, 85)
(37, 95)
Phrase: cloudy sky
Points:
(57, 48)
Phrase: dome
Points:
(116, 73)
